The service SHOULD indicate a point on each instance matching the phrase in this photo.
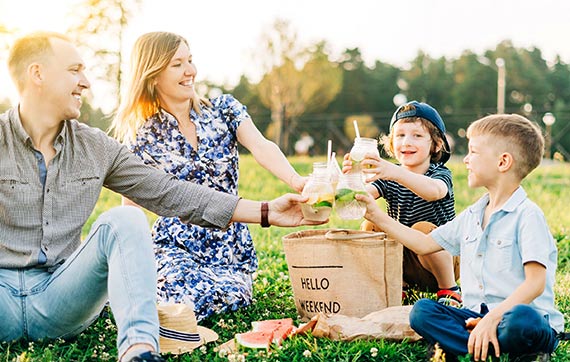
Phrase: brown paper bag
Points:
(345, 272)
(390, 323)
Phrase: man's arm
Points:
(283, 211)
(165, 195)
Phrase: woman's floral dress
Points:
(210, 267)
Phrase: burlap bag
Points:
(346, 272)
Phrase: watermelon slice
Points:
(266, 332)
(271, 324)
(281, 328)
(281, 333)
(255, 339)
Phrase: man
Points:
(52, 169)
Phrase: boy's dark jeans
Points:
(521, 331)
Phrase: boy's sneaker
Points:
(450, 298)
(147, 357)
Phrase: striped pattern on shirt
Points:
(408, 208)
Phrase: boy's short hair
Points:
(27, 50)
(520, 137)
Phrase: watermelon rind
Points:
(255, 340)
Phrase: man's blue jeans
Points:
(522, 330)
(115, 263)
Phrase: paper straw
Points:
(356, 128)
(329, 149)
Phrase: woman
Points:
(168, 125)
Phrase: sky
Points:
(224, 34)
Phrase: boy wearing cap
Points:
(418, 191)
(508, 254)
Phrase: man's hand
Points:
(286, 211)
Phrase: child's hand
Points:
(377, 168)
(373, 211)
(483, 335)
(346, 163)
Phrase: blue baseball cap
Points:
(425, 111)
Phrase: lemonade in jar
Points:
(346, 206)
(361, 147)
(320, 191)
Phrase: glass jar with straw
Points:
(362, 146)
(320, 191)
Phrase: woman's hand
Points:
(298, 182)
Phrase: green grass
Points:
(548, 186)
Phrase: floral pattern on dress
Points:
(210, 267)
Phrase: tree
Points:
(559, 79)
(475, 84)
(526, 74)
(429, 81)
(297, 80)
(99, 29)
(352, 97)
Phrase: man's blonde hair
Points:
(32, 48)
(517, 135)
(151, 54)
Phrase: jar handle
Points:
(342, 234)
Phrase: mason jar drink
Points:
(361, 147)
(320, 191)
(346, 206)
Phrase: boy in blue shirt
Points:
(508, 255)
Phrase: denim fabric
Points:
(522, 329)
(115, 263)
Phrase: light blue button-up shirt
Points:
(493, 258)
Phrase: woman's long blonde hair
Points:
(151, 54)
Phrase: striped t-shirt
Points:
(408, 208)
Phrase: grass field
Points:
(548, 186)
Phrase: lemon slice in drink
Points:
(326, 197)
(357, 156)
(313, 198)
